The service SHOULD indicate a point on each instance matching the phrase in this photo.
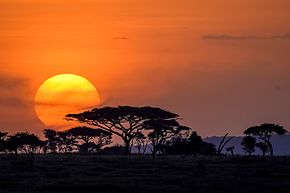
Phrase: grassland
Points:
(166, 174)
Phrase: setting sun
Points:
(62, 94)
(145, 96)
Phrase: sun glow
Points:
(63, 94)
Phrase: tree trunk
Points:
(127, 147)
(271, 151)
(270, 148)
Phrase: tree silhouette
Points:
(26, 143)
(249, 144)
(52, 140)
(195, 142)
(263, 147)
(265, 131)
(184, 144)
(123, 121)
(161, 131)
(12, 144)
(29, 145)
(91, 139)
(178, 145)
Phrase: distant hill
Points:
(281, 144)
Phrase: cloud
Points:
(11, 82)
(120, 38)
(249, 37)
(12, 91)
(283, 36)
(11, 101)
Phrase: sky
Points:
(223, 66)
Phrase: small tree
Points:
(249, 144)
(26, 143)
(91, 139)
(161, 131)
(195, 142)
(263, 147)
(178, 145)
(265, 131)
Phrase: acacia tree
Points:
(91, 139)
(59, 141)
(123, 121)
(264, 132)
(29, 144)
(249, 144)
(162, 130)
(24, 142)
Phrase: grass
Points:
(141, 174)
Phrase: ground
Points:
(141, 174)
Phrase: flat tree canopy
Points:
(123, 121)
(86, 133)
(265, 131)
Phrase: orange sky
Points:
(161, 53)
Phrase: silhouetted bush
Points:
(193, 144)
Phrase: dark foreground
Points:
(95, 173)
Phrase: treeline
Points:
(148, 129)
(89, 140)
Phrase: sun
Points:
(63, 94)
